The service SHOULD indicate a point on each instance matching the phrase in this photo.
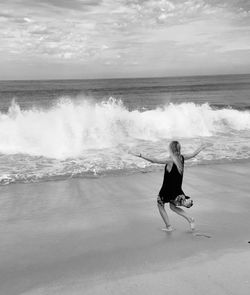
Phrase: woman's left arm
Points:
(151, 159)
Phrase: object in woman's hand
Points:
(183, 200)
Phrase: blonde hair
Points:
(175, 149)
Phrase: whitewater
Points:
(85, 137)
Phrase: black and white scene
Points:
(124, 147)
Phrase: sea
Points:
(59, 129)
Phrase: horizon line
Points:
(127, 78)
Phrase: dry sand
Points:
(103, 236)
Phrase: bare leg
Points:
(164, 214)
(183, 214)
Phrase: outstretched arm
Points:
(151, 159)
(196, 152)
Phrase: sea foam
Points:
(69, 128)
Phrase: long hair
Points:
(175, 149)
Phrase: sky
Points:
(68, 39)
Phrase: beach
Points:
(103, 235)
(101, 100)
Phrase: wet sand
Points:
(103, 236)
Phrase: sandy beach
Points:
(95, 98)
(103, 236)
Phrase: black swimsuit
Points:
(172, 182)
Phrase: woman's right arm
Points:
(196, 152)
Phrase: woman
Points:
(171, 189)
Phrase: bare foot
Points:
(192, 224)
(168, 228)
(202, 235)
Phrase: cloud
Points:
(5, 15)
(72, 4)
(13, 18)
(61, 4)
(122, 33)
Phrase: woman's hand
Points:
(205, 145)
(135, 154)
(195, 153)
(150, 159)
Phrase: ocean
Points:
(58, 129)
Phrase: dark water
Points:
(229, 90)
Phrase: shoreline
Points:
(156, 168)
(103, 235)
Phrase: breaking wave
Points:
(69, 128)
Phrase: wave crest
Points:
(70, 128)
